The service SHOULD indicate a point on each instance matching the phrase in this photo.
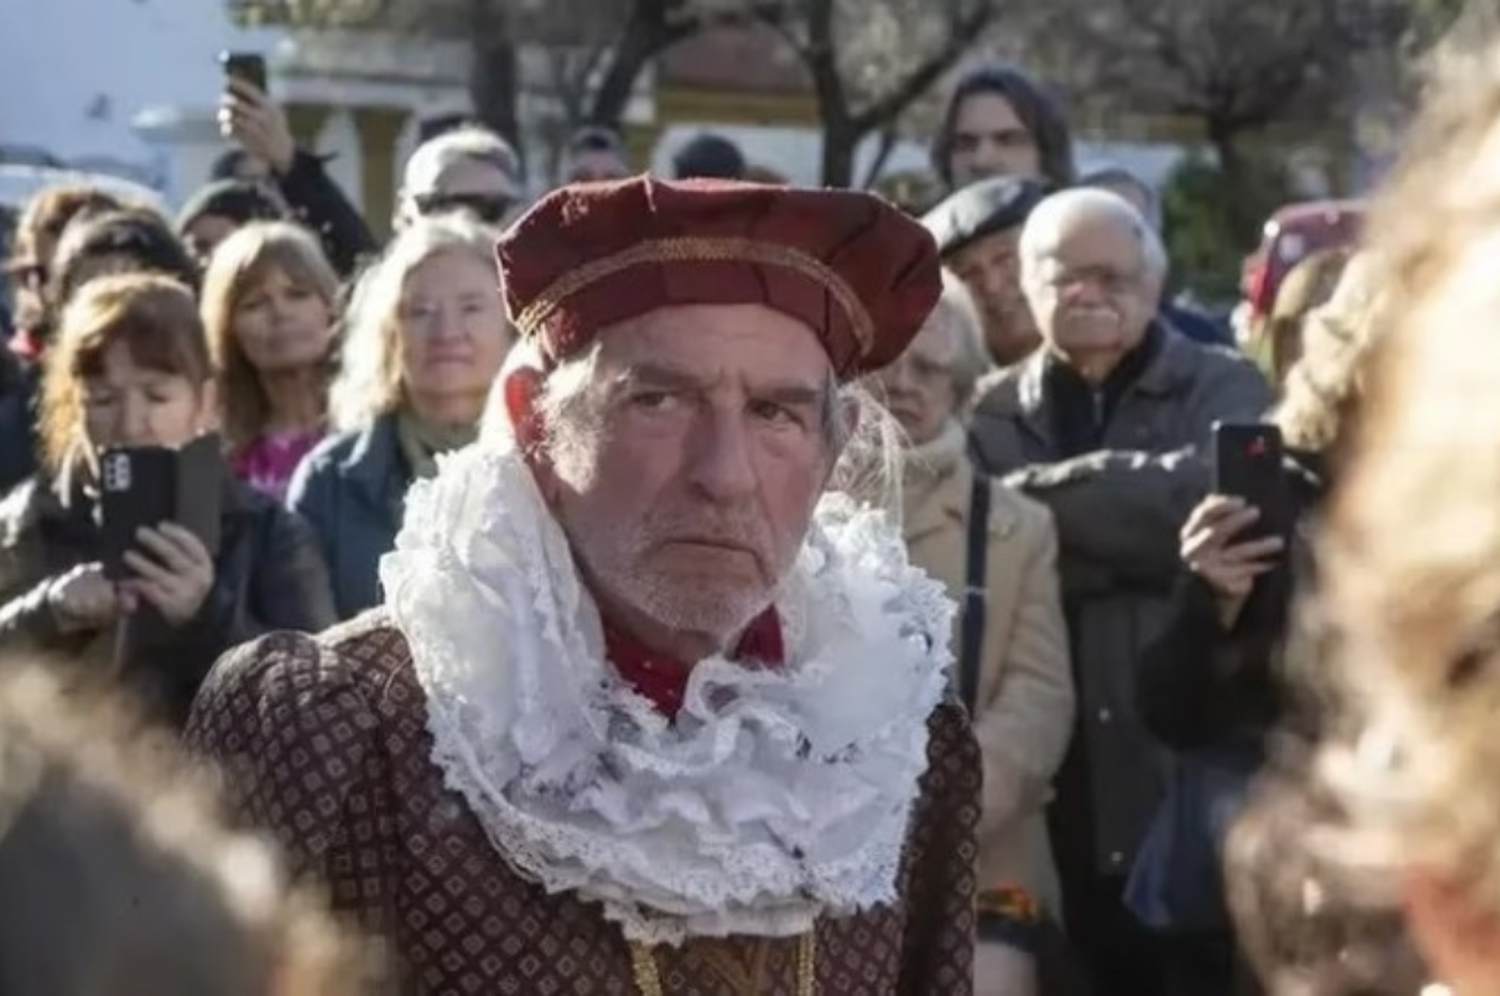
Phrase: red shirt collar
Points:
(663, 681)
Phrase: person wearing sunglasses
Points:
(469, 169)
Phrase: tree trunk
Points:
(1239, 201)
(492, 87)
(493, 76)
(840, 141)
(636, 48)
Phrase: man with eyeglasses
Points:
(1106, 424)
(468, 169)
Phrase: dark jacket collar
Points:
(1170, 371)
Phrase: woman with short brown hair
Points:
(130, 368)
(269, 305)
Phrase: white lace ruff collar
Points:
(777, 796)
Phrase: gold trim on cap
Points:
(699, 249)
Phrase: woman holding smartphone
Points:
(1208, 686)
(131, 368)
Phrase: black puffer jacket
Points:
(18, 386)
(269, 576)
(1200, 685)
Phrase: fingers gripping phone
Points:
(144, 486)
(247, 67)
(1248, 465)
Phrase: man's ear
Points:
(1458, 937)
(523, 394)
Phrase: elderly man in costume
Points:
(648, 708)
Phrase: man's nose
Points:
(721, 463)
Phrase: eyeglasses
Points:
(1110, 281)
(488, 208)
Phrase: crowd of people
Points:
(748, 589)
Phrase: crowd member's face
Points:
(1093, 294)
(989, 139)
(133, 405)
(282, 324)
(253, 169)
(595, 165)
(454, 335)
(205, 233)
(918, 387)
(480, 188)
(990, 268)
(687, 487)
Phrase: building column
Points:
(379, 130)
(306, 122)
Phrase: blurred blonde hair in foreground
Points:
(1396, 796)
(118, 880)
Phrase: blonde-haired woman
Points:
(269, 303)
(996, 551)
(1389, 828)
(426, 334)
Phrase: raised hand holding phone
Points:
(1214, 547)
(248, 116)
(1238, 533)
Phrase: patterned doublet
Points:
(323, 743)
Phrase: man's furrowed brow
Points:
(657, 375)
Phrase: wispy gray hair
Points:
(1071, 207)
(470, 142)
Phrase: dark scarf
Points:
(1080, 411)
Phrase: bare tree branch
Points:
(961, 36)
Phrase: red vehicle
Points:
(1290, 236)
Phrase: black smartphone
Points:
(1248, 464)
(247, 67)
(148, 485)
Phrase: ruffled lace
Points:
(775, 797)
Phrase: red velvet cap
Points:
(859, 272)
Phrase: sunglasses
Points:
(489, 208)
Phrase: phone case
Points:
(1248, 464)
(148, 485)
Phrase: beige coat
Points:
(1024, 715)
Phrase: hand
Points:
(176, 578)
(1230, 570)
(83, 599)
(249, 117)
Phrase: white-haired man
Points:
(646, 711)
(468, 169)
(1105, 425)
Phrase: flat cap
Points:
(856, 270)
(981, 209)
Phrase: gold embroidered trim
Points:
(648, 973)
(699, 249)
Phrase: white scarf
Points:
(776, 796)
